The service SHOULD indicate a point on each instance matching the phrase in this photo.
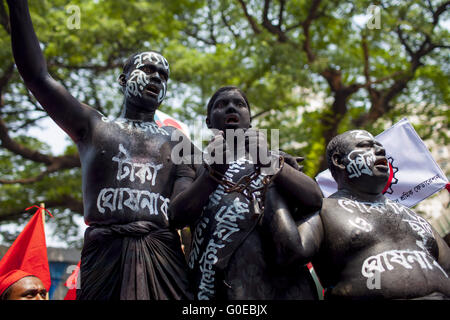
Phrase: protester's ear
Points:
(122, 79)
(337, 161)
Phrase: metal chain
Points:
(244, 182)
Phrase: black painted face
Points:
(365, 162)
(146, 81)
(229, 111)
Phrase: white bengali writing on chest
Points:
(361, 224)
(373, 266)
(418, 224)
(139, 126)
(134, 199)
(372, 207)
(146, 171)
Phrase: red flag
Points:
(71, 283)
(27, 255)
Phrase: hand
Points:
(256, 146)
(292, 161)
(216, 153)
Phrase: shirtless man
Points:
(365, 246)
(128, 177)
(235, 253)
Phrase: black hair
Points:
(5, 294)
(224, 89)
(337, 145)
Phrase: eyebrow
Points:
(34, 292)
(158, 68)
(31, 291)
(234, 99)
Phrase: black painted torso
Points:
(127, 172)
(376, 249)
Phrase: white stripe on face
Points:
(162, 93)
(153, 57)
(136, 83)
(361, 134)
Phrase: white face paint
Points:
(136, 83)
(153, 57)
(360, 163)
(162, 93)
(139, 80)
(361, 134)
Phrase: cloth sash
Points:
(226, 221)
(134, 261)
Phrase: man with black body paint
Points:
(365, 246)
(235, 253)
(128, 178)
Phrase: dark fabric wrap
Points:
(134, 261)
(231, 256)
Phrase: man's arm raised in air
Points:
(70, 114)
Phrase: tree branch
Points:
(96, 68)
(281, 13)
(28, 122)
(259, 114)
(37, 178)
(312, 14)
(211, 23)
(66, 202)
(381, 99)
(227, 25)
(52, 163)
(403, 41)
(4, 19)
(194, 34)
(250, 18)
(269, 26)
(4, 79)
(439, 11)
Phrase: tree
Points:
(310, 68)
(365, 74)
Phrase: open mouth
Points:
(232, 119)
(152, 90)
(381, 163)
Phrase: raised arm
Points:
(71, 115)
